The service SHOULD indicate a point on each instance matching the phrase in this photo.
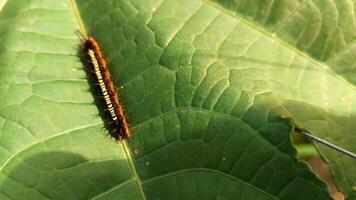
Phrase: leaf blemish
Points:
(136, 151)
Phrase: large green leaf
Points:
(324, 33)
(206, 95)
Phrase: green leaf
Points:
(323, 96)
(206, 95)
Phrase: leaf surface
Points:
(324, 101)
(205, 93)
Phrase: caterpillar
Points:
(102, 77)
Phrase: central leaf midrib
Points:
(133, 168)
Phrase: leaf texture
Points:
(206, 95)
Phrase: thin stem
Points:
(326, 143)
